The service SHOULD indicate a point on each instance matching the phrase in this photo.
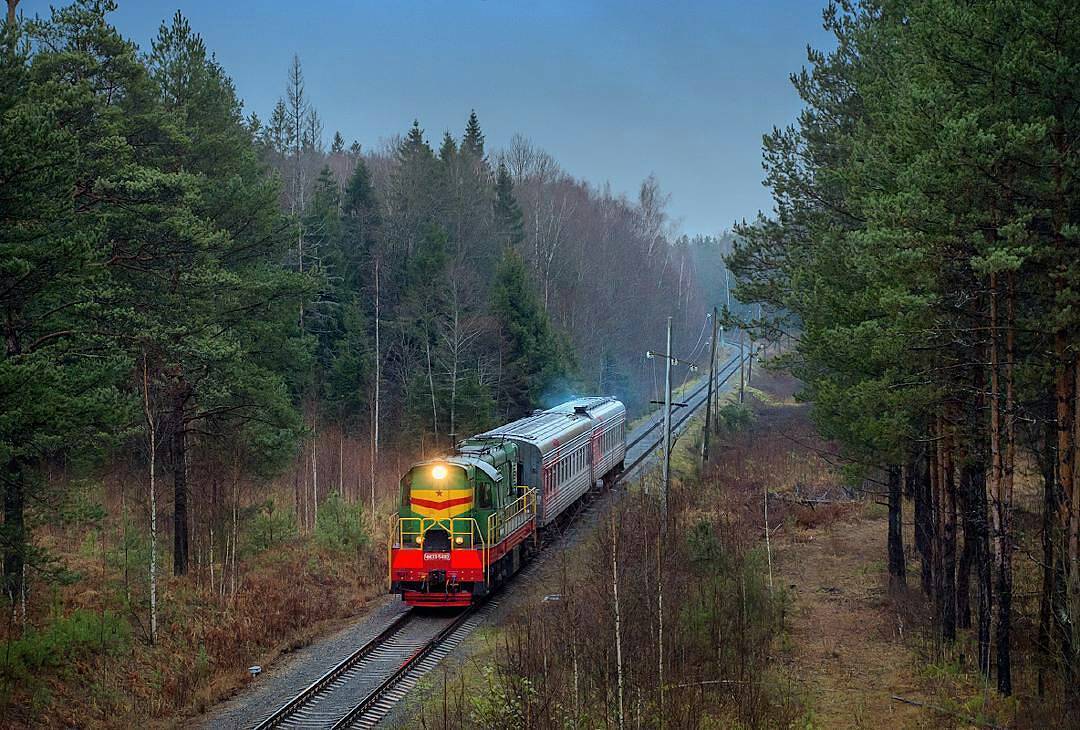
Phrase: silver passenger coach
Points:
(567, 449)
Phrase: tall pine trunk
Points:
(1046, 594)
(967, 555)
(375, 408)
(180, 490)
(983, 563)
(948, 541)
(14, 531)
(151, 432)
(1065, 395)
(1004, 508)
(924, 520)
(897, 573)
(937, 500)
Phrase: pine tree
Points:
(360, 230)
(277, 130)
(424, 307)
(919, 239)
(58, 375)
(220, 337)
(417, 191)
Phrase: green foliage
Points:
(501, 701)
(202, 664)
(532, 357)
(473, 141)
(269, 527)
(341, 526)
(509, 224)
(62, 641)
(734, 417)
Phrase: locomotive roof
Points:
(555, 426)
(466, 460)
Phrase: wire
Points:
(694, 352)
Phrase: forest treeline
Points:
(924, 256)
(211, 320)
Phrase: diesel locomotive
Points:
(467, 521)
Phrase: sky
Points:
(615, 90)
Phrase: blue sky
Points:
(614, 90)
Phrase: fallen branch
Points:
(808, 501)
(708, 681)
(942, 710)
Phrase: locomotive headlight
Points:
(419, 539)
(459, 540)
(439, 472)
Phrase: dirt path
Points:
(847, 648)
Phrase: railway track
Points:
(723, 374)
(361, 689)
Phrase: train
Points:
(469, 520)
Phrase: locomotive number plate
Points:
(436, 556)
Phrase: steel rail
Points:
(356, 714)
(686, 414)
(697, 391)
(315, 688)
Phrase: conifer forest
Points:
(267, 389)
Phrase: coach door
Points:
(596, 453)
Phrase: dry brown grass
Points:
(852, 644)
(285, 596)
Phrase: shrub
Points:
(270, 527)
(341, 526)
(734, 417)
(63, 640)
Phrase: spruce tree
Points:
(509, 225)
(473, 141)
(448, 150)
(531, 357)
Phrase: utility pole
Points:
(716, 388)
(742, 368)
(750, 363)
(671, 360)
(712, 382)
(667, 415)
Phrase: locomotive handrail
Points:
(500, 523)
(515, 512)
(465, 528)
